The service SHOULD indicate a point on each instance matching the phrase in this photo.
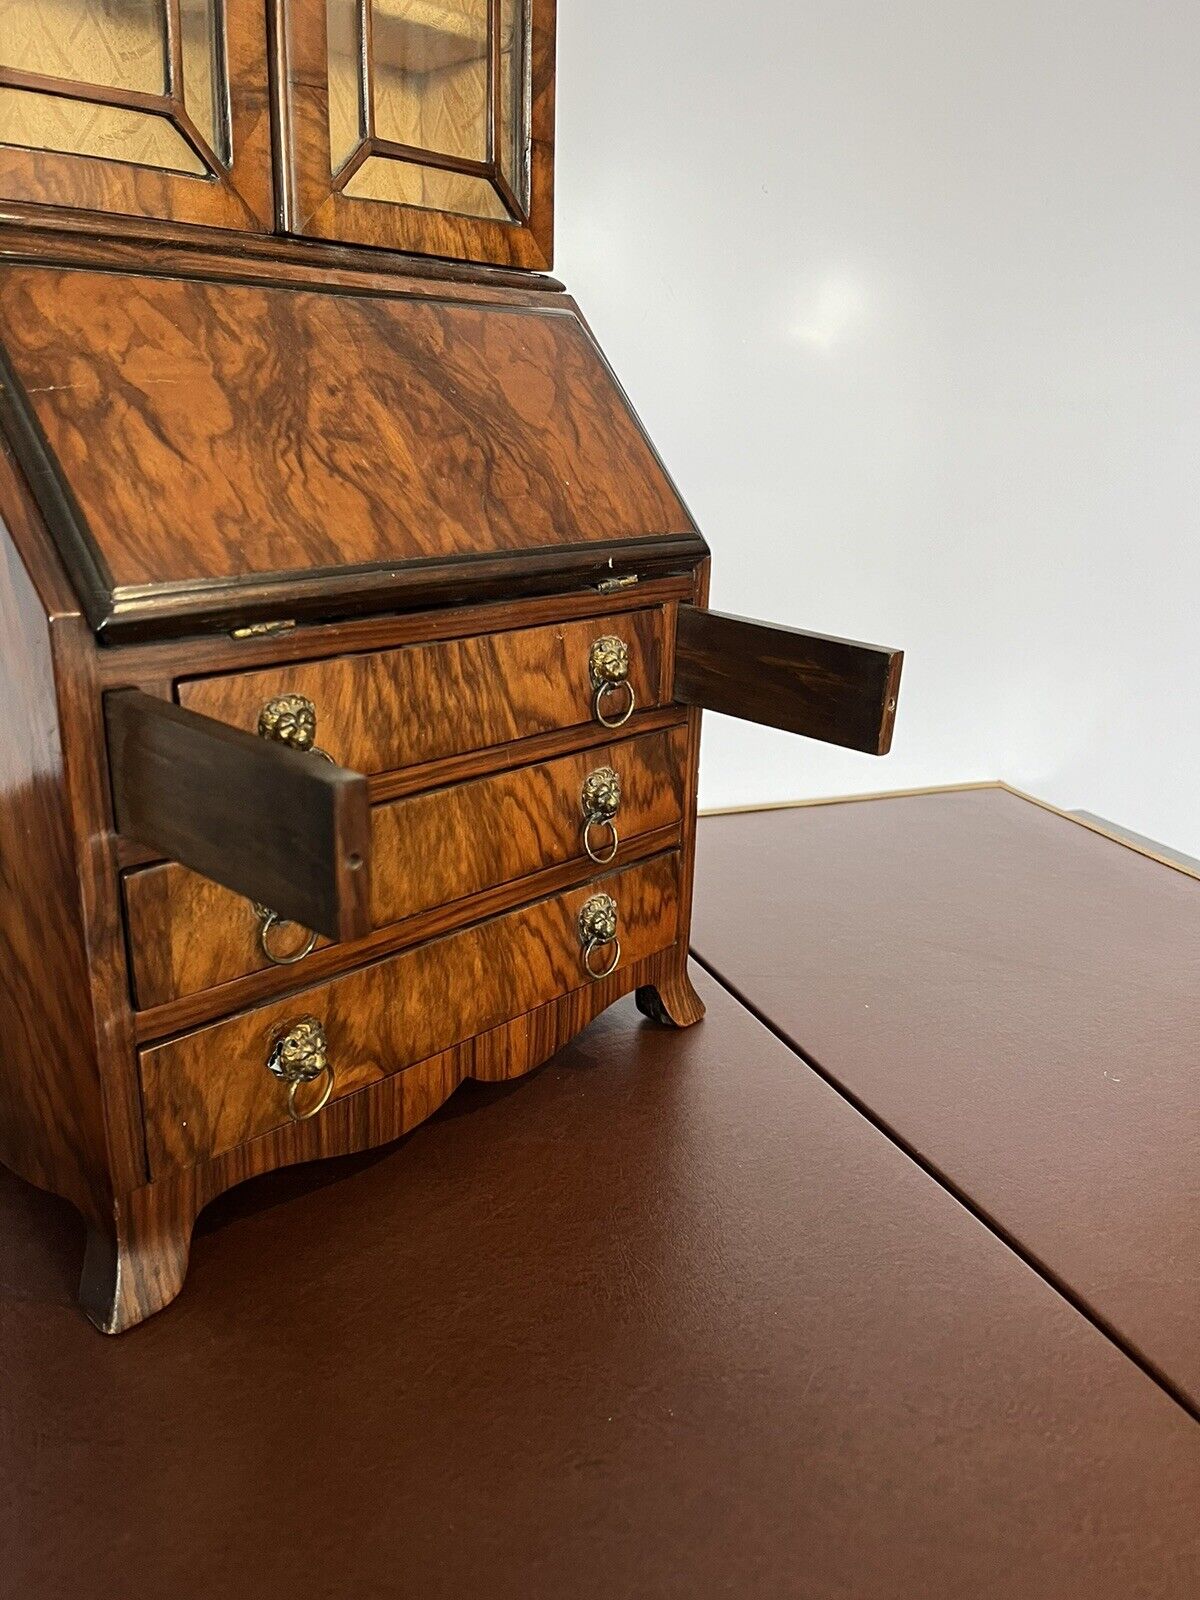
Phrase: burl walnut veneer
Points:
(353, 637)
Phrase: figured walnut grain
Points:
(212, 432)
(395, 708)
(209, 1091)
(187, 933)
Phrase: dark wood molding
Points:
(285, 829)
(170, 612)
(71, 236)
(834, 690)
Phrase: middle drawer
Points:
(187, 934)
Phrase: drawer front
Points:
(211, 1090)
(187, 933)
(424, 702)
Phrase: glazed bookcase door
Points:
(422, 125)
(146, 108)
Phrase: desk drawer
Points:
(187, 933)
(424, 702)
(212, 1089)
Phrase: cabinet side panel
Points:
(51, 1117)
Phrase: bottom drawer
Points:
(210, 1090)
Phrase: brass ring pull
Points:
(299, 1056)
(598, 704)
(608, 665)
(600, 800)
(601, 857)
(269, 920)
(589, 950)
(318, 1105)
(597, 928)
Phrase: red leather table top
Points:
(670, 1318)
(1016, 999)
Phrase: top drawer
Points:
(423, 702)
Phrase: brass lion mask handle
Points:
(608, 664)
(598, 928)
(289, 719)
(300, 1056)
(600, 800)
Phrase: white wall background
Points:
(908, 294)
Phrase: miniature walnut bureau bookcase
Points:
(353, 637)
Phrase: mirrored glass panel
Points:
(82, 77)
(512, 119)
(428, 103)
(410, 184)
(82, 128)
(116, 44)
(205, 75)
(430, 74)
(347, 125)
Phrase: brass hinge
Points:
(262, 630)
(612, 585)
